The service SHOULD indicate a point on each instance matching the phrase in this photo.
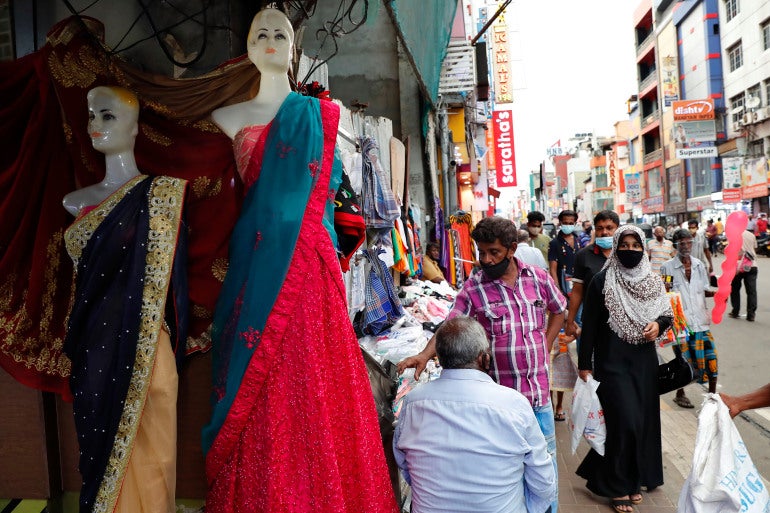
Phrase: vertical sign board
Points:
(490, 143)
(502, 71)
(505, 162)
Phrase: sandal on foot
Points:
(559, 416)
(683, 401)
(616, 504)
(638, 500)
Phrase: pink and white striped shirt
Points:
(515, 321)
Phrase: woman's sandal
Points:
(639, 499)
(559, 416)
(683, 401)
(617, 503)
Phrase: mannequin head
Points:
(271, 41)
(112, 119)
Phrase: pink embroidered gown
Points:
(302, 433)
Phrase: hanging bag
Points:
(586, 418)
(723, 477)
(673, 375)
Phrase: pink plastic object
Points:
(736, 224)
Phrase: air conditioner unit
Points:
(761, 114)
(747, 118)
(737, 126)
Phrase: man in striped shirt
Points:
(521, 310)
(660, 249)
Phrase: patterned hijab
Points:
(634, 297)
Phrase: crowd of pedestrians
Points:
(596, 281)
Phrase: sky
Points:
(577, 67)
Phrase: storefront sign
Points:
(699, 203)
(693, 110)
(697, 153)
(755, 178)
(686, 133)
(501, 65)
(490, 143)
(731, 196)
(670, 80)
(633, 188)
(731, 172)
(652, 205)
(505, 162)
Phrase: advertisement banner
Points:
(755, 178)
(687, 133)
(500, 61)
(697, 153)
(731, 172)
(731, 196)
(693, 110)
(633, 188)
(505, 162)
(490, 143)
(652, 205)
(677, 192)
(670, 80)
(481, 192)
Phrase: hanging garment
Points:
(383, 307)
(379, 204)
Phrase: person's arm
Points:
(552, 266)
(707, 254)
(591, 324)
(555, 322)
(759, 398)
(398, 454)
(570, 326)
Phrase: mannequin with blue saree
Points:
(294, 426)
(128, 319)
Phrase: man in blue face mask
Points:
(588, 262)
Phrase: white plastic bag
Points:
(586, 419)
(723, 478)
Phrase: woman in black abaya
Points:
(625, 311)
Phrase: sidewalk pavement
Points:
(678, 428)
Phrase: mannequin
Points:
(270, 47)
(285, 434)
(128, 317)
(113, 113)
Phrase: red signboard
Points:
(505, 162)
(731, 195)
(694, 110)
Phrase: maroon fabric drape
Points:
(47, 153)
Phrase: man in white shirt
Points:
(467, 444)
(749, 278)
(527, 253)
(690, 278)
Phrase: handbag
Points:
(674, 375)
(745, 263)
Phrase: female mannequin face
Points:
(270, 41)
(112, 121)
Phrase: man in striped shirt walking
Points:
(660, 249)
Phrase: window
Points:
(6, 32)
(654, 183)
(731, 9)
(767, 92)
(735, 56)
(754, 91)
(700, 170)
(736, 107)
(765, 27)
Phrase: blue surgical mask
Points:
(567, 229)
(604, 242)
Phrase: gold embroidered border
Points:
(79, 233)
(165, 204)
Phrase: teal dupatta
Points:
(263, 243)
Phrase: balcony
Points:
(653, 156)
(651, 77)
(643, 47)
(651, 118)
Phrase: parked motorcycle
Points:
(763, 244)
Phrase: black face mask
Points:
(495, 271)
(629, 258)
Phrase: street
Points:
(744, 365)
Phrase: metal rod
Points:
(490, 22)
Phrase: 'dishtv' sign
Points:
(505, 163)
(693, 110)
